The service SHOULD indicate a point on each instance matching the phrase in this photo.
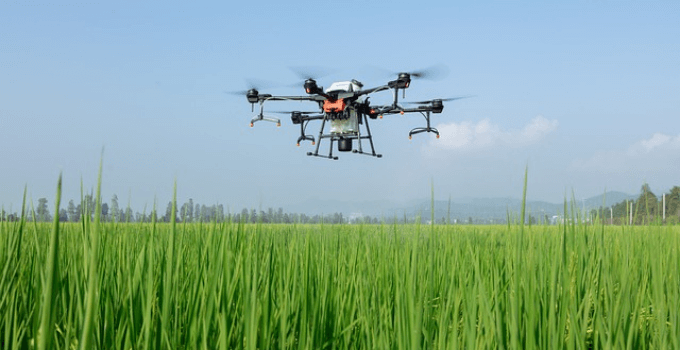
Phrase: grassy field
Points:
(230, 286)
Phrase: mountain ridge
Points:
(460, 208)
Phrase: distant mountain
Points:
(498, 208)
(612, 197)
(481, 209)
(318, 206)
(461, 209)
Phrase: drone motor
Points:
(403, 81)
(437, 106)
(252, 95)
(311, 87)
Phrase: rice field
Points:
(225, 285)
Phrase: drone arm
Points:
(266, 98)
(420, 109)
(313, 117)
(400, 110)
(372, 90)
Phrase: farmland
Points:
(232, 285)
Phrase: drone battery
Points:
(348, 125)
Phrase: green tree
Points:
(184, 212)
(88, 206)
(73, 212)
(42, 212)
(168, 212)
(646, 204)
(190, 210)
(105, 212)
(673, 205)
(115, 210)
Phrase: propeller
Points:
(438, 99)
(435, 72)
(308, 76)
(311, 72)
(253, 84)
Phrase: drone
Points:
(344, 107)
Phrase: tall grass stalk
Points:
(91, 302)
(51, 281)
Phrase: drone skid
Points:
(419, 130)
(333, 137)
(428, 128)
(266, 119)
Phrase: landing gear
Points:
(428, 128)
(345, 141)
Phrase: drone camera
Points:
(252, 95)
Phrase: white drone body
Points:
(351, 124)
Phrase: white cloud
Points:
(660, 152)
(468, 137)
(658, 142)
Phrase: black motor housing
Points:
(345, 145)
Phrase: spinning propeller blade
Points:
(435, 72)
(311, 72)
(437, 99)
(256, 84)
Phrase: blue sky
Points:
(584, 92)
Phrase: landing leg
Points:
(370, 140)
(318, 144)
(428, 128)
(266, 119)
(304, 137)
(316, 151)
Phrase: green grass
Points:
(257, 286)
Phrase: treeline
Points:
(648, 208)
(187, 212)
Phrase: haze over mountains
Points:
(460, 209)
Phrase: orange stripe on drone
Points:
(334, 106)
